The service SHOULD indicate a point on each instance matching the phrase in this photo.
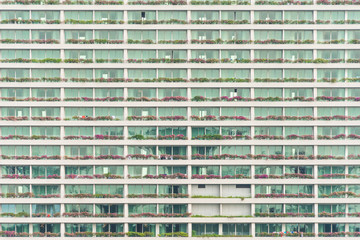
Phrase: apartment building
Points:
(179, 119)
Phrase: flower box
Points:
(172, 137)
(284, 195)
(173, 118)
(15, 176)
(165, 176)
(143, 118)
(141, 156)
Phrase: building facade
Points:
(181, 119)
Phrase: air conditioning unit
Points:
(168, 57)
(232, 37)
(81, 38)
(104, 19)
(202, 57)
(143, 152)
(19, 113)
(145, 113)
(202, 19)
(293, 151)
(143, 18)
(267, 19)
(202, 37)
(43, 113)
(82, 57)
(20, 189)
(144, 171)
(104, 75)
(106, 170)
(293, 57)
(42, 19)
(20, 18)
(293, 94)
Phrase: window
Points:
(141, 15)
(71, 228)
(299, 227)
(109, 15)
(78, 170)
(110, 227)
(106, 151)
(53, 228)
(269, 170)
(331, 172)
(331, 228)
(17, 228)
(142, 73)
(331, 152)
(164, 16)
(143, 228)
(200, 229)
(204, 15)
(9, 15)
(326, 191)
(328, 36)
(267, 228)
(112, 56)
(141, 171)
(330, 16)
(263, 35)
(46, 172)
(14, 54)
(42, 210)
(170, 170)
(299, 169)
(78, 94)
(241, 16)
(81, 55)
(78, 35)
(15, 34)
(267, 15)
(45, 35)
(45, 15)
(298, 55)
(296, 36)
(15, 170)
(235, 171)
(79, 16)
(170, 230)
(14, 93)
(299, 152)
(236, 229)
(264, 74)
(44, 191)
(45, 93)
(204, 35)
(205, 73)
(232, 35)
(78, 152)
(298, 16)
(333, 55)
(141, 35)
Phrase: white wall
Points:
(236, 209)
(232, 191)
(206, 209)
(209, 190)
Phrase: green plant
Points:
(137, 137)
